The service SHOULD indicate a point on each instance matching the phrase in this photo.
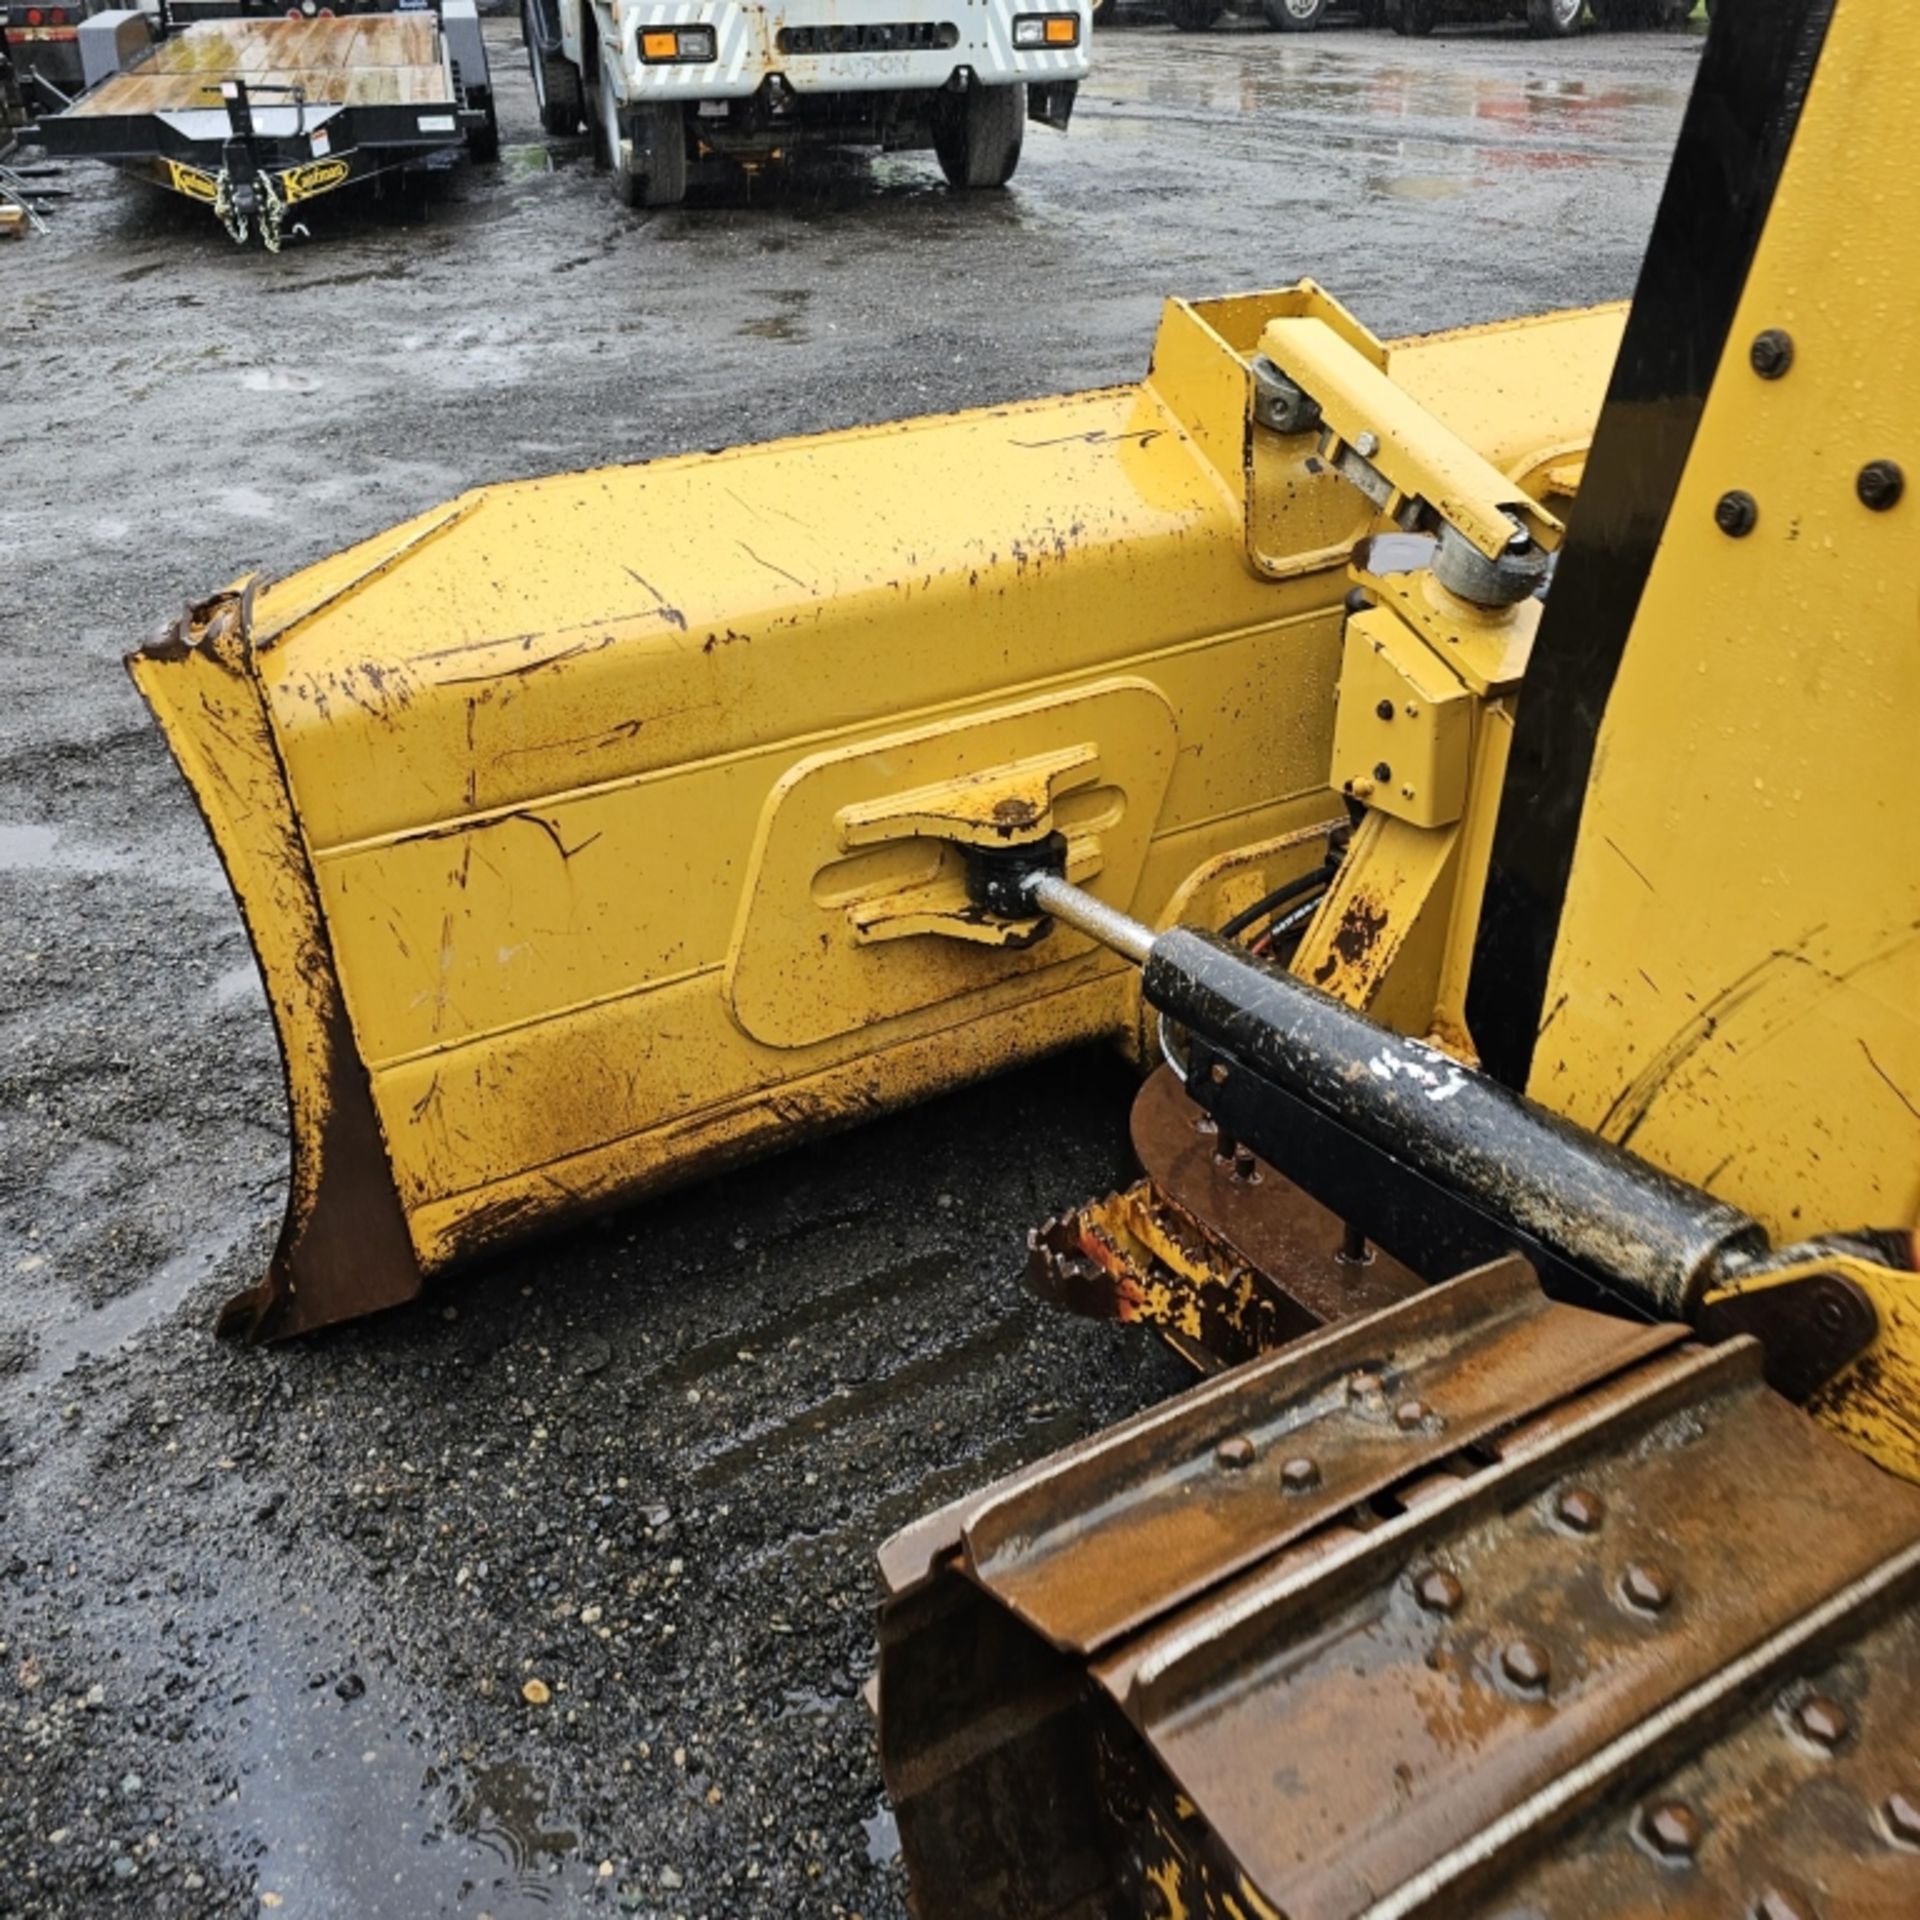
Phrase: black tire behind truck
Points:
(1546, 19)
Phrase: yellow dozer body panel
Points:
(603, 789)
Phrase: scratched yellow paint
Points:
(1736, 989)
(528, 743)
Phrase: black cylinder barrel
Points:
(1588, 1202)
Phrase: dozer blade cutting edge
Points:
(588, 829)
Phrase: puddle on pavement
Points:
(279, 380)
(527, 159)
(342, 1811)
(32, 847)
(81, 1335)
(238, 986)
(37, 849)
(883, 1835)
(1418, 186)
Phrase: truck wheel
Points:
(1194, 16)
(1293, 16)
(1412, 18)
(659, 130)
(556, 81)
(976, 134)
(1554, 19)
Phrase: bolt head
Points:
(1581, 1509)
(1243, 1163)
(1776, 1903)
(1218, 1073)
(1526, 1665)
(1822, 1720)
(1901, 1811)
(1383, 709)
(1736, 513)
(1645, 1588)
(1439, 1591)
(1771, 353)
(1672, 1829)
(1363, 1386)
(1880, 485)
(1410, 1414)
(1366, 445)
(1300, 1474)
(1234, 1453)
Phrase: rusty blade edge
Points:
(1155, 1688)
(1586, 1781)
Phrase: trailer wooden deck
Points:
(383, 60)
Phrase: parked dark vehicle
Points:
(1546, 19)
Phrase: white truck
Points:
(667, 86)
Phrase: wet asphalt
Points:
(268, 1620)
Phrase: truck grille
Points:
(878, 36)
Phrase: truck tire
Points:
(976, 135)
(1412, 19)
(1293, 16)
(556, 81)
(1554, 19)
(660, 130)
(1194, 16)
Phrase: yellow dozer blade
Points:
(589, 830)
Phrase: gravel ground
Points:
(269, 1621)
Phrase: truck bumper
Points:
(924, 43)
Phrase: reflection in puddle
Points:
(1418, 186)
(33, 847)
(505, 1809)
(344, 1814)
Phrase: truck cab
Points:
(667, 88)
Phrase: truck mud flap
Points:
(1051, 102)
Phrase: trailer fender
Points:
(110, 42)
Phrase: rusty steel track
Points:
(1478, 1605)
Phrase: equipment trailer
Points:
(254, 115)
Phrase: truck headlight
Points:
(664, 45)
(1046, 30)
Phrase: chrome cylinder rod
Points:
(1078, 909)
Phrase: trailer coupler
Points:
(244, 192)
